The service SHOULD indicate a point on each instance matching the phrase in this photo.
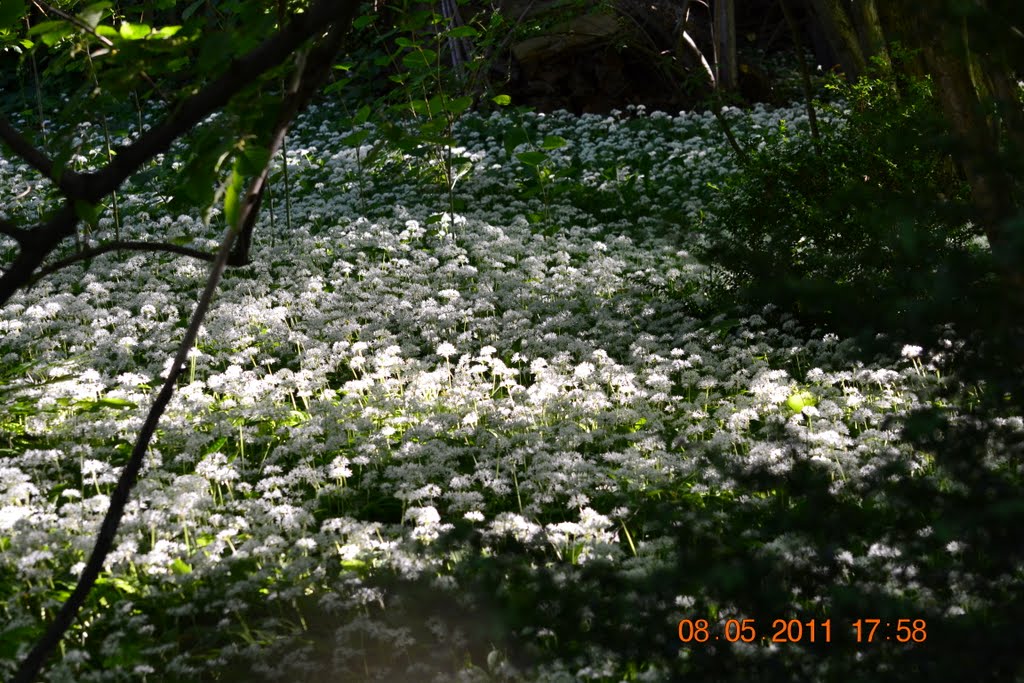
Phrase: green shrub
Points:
(871, 215)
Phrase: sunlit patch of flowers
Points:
(387, 375)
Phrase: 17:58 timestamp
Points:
(796, 631)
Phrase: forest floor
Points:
(494, 431)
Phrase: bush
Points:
(873, 214)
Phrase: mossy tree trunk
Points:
(975, 77)
(839, 29)
(986, 121)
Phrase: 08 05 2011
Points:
(800, 631)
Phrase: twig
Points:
(741, 154)
(805, 77)
(47, 8)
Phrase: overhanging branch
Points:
(238, 76)
(14, 232)
(94, 186)
(33, 156)
(108, 247)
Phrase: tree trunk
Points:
(725, 44)
(965, 87)
(841, 33)
(871, 38)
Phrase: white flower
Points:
(216, 468)
(911, 351)
(446, 350)
(11, 514)
(882, 550)
(423, 516)
(339, 468)
(584, 370)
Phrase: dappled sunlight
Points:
(525, 410)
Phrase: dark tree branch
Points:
(307, 83)
(25, 149)
(35, 245)
(108, 247)
(13, 231)
(311, 71)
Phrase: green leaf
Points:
(47, 27)
(532, 158)
(234, 189)
(514, 138)
(165, 32)
(191, 9)
(463, 32)
(119, 403)
(553, 142)
(363, 21)
(51, 32)
(460, 104)
(724, 327)
(92, 14)
(118, 584)
(420, 106)
(253, 159)
(361, 116)
(179, 566)
(11, 640)
(131, 31)
(87, 212)
(436, 104)
(11, 12)
(337, 85)
(502, 100)
(215, 49)
(419, 60)
(355, 139)
(801, 399)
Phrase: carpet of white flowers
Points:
(494, 445)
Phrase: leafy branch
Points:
(93, 186)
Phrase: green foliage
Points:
(875, 216)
